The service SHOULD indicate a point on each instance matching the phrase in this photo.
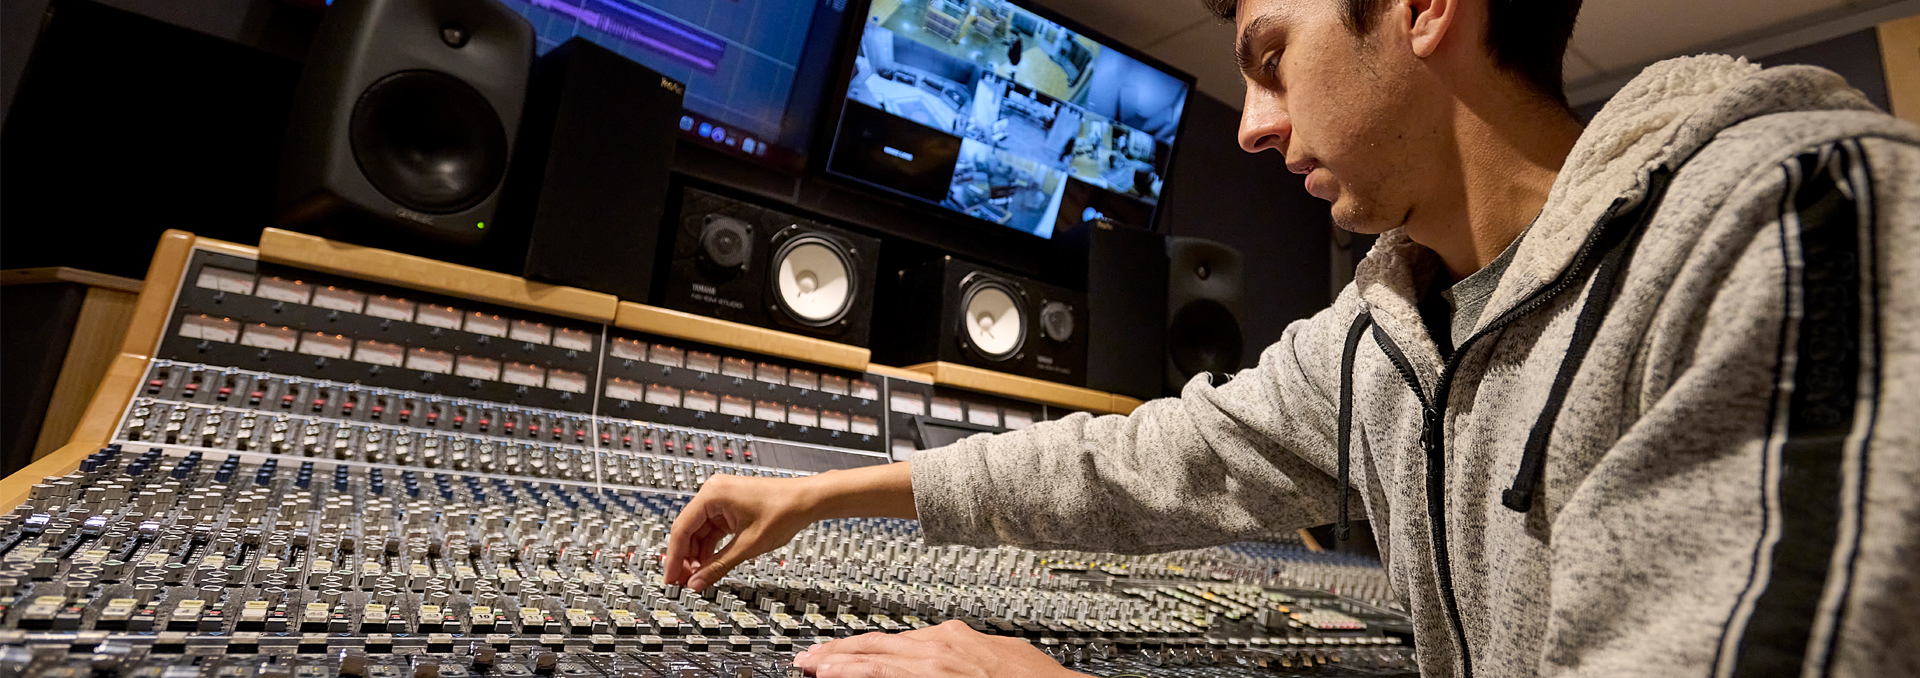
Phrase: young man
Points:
(1620, 401)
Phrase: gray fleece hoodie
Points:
(1681, 441)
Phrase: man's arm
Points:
(1768, 493)
(1249, 459)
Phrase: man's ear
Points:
(1429, 21)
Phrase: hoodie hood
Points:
(1672, 109)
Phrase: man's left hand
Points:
(949, 650)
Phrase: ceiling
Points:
(1613, 39)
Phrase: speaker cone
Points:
(428, 141)
(993, 319)
(1204, 338)
(813, 280)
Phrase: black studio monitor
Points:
(1125, 269)
(404, 123)
(736, 260)
(589, 184)
(1206, 293)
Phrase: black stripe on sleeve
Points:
(1821, 416)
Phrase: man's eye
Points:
(1271, 66)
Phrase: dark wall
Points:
(1855, 56)
(1219, 192)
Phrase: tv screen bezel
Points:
(826, 137)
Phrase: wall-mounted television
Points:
(755, 70)
(999, 112)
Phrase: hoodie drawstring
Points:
(1607, 276)
(1354, 332)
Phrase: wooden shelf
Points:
(1025, 388)
(691, 327)
(406, 270)
(150, 313)
(27, 276)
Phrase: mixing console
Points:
(325, 477)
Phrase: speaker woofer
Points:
(993, 319)
(813, 280)
(1204, 338)
(428, 141)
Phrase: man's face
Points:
(1340, 107)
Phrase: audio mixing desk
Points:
(314, 460)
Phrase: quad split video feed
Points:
(993, 111)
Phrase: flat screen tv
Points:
(996, 111)
(755, 70)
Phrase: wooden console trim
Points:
(691, 327)
(1124, 405)
(1024, 388)
(899, 373)
(406, 270)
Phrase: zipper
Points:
(1433, 410)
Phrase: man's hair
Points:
(1526, 37)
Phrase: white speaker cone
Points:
(994, 322)
(813, 283)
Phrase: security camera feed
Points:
(990, 110)
(755, 70)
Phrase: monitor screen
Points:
(991, 110)
(755, 70)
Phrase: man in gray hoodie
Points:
(1618, 401)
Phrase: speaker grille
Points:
(428, 141)
(992, 320)
(813, 281)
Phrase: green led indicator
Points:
(480, 225)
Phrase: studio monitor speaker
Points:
(404, 122)
(1206, 288)
(953, 311)
(1124, 269)
(739, 261)
(588, 188)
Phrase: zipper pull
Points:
(1432, 431)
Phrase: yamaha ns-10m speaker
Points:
(953, 311)
(739, 261)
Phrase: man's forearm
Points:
(884, 491)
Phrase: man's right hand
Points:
(763, 514)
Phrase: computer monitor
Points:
(755, 70)
(999, 112)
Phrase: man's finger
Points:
(863, 644)
(680, 539)
(723, 562)
(866, 666)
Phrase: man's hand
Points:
(949, 650)
(762, 514)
